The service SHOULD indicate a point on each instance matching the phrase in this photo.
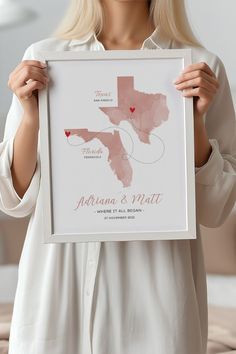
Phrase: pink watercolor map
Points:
(144, 111)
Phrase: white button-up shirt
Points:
(130, 297)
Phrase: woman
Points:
(117, 297)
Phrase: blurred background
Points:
(214, 24)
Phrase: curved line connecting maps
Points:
(128, 154)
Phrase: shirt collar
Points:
(156, 40)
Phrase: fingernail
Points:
(44, 65)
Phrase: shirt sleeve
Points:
(216, 180)
(10, 202)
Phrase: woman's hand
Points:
(198, 81)
(28, 77)
(25, 81)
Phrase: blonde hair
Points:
(86, 16)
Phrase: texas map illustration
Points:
(143, 111)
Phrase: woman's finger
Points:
(26, 91)
(200, 92)
(195, 74)
(32, 63)
(30, 70)
(199, 66)
(198, 82)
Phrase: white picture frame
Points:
(117, 147)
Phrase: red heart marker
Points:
(132, 109)
(67, 134)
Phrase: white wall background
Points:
(213, 21)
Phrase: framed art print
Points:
(117, 147)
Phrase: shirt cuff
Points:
(10, 202)
(213, 168)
